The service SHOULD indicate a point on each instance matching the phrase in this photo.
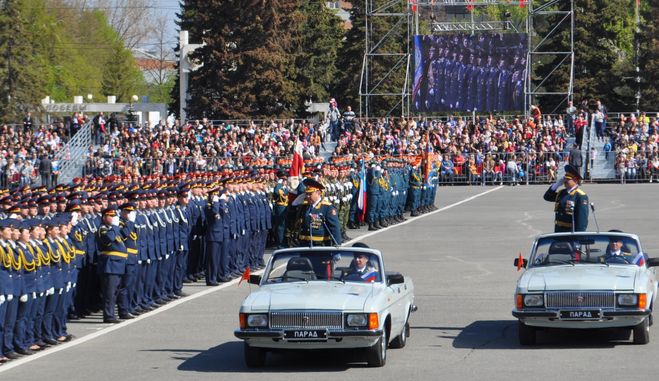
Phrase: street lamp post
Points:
(131, 109)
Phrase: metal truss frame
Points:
(540, 9)
(407, 24)
(371, 86)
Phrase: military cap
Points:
(128, 206)
(16, 208)
(572, 173)
(110, 211)
(73, 206)
(312, 186)
(183, 192)
(13, 223)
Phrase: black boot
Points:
(401, 218)
(415, 213)
(371, 227)
(382, 223)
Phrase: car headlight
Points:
(257, 320)
(627, 299)
(534, 300)
(357, 320)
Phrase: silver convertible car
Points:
(586, 280)
(326, 298)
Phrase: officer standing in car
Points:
(571, 203)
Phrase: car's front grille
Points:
(306, 319)
(581, 299)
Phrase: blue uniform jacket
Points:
(112, 251)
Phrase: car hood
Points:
(579, 277)
(311, 295)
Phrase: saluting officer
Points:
(111, 261)
(280, 198)
(571, 203)
(128, 291)
(320, 226)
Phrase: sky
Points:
(169, 8)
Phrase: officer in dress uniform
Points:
(129, 278)
(112, 261)
(571, 203)
(320, 226)
(183, 213)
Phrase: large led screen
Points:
(460, 72)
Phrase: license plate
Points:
(581, 315)
(306, 334)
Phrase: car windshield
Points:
(324, 265)
(587, 249)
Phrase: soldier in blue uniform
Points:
(320, 226)
(570, 203)
(11, 267)
(112, 261)
(129, 278)
(214, 238)
(183, 214)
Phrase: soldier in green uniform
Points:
(571, 203)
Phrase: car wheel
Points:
(526, 334)
(377, 354)
(254, 357)
(400, 340)
(642, 332)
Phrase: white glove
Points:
(50, 291)
(41, 294)
(2, 299)
(166, 256)
(10, 297)
(557, 184)
(139, 262)
(68, 287)
(160, 259)
(34, 295)
(216, 199)
(243, 233)
(60, 291)
(23, 298)
(148, 261)
(74, 285)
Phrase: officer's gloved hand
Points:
(50, 291)
(148, 261)
(41, 294)
(60, 291)
(10, 297)
(2, 299)
(34, 295)
(557, 184)
(73, 285)
(68, 287)
(166, 256)
(23, 298)
(139, 262)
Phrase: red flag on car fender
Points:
(520, 262)
(245, 276)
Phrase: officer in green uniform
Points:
(571, 203)
(280, 209)
(320, 225)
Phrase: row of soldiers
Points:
(127, 249)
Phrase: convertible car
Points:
(326, 298)
(586, 280)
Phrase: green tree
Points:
(248, 60)
(649, 57)
(317, 53)
(22, 63)
(121, 77)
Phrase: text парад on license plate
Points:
(581, 315)
(306, 334)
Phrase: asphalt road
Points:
(460, 258)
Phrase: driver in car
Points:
(615, 251)
(360, 271)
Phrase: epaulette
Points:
(325, 202)
(104, 228)
(580, 192)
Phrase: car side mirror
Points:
(517, 264)
(395, 278)
(652, 262)
(255, 279)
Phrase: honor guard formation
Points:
(123, 246)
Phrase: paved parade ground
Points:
(461, 260)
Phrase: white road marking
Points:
(104, 331)
(410, 220)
